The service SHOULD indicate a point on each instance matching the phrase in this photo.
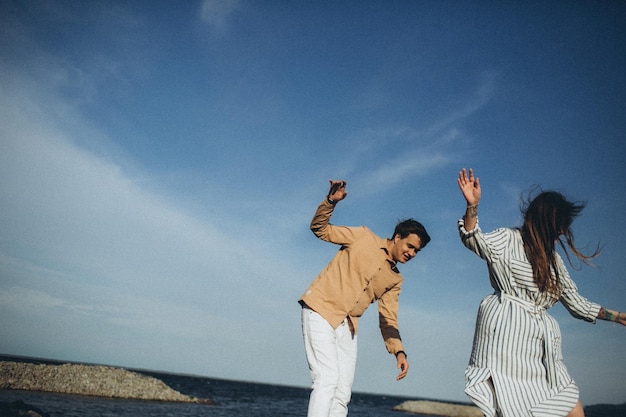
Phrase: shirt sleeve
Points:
(388, 320)
(321, 227)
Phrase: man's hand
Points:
(337, 190)
(403, 365)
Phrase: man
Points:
(363, 271)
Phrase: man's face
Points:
(404, 249)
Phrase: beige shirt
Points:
(359, 274)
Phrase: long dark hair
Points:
(547, 219)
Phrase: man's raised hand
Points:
(337, 190)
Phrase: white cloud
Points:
(414, 152)
(93, 244)
(402, 168)
(216, 13)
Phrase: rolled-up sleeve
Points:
(388, 320)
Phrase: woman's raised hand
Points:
(470, 187)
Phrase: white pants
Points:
(331, 354)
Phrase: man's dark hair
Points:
(408, 226)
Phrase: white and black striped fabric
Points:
(516, 366)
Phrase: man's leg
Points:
(320, 345)
(347, 353)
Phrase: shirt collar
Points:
(392, 264)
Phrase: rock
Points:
(456, 410)
(435, 408)
(101, 381)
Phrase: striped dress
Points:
(516, 367)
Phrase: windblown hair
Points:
(406, 227)
(547, 219)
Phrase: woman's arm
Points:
(470, 217)
(470, 187)
(579, 306)
(612, 315)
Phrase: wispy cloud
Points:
(90, 242)
(402, 168)
(478, 100)
(21, 298)
(216, 13)
(415, 152)
(103, 222)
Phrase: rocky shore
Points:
(101, 381)
(111, 382)
(435, 408)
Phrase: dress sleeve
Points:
(489, 246)
(577, 305)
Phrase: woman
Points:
(516, 368)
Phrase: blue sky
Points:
(161, 161)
